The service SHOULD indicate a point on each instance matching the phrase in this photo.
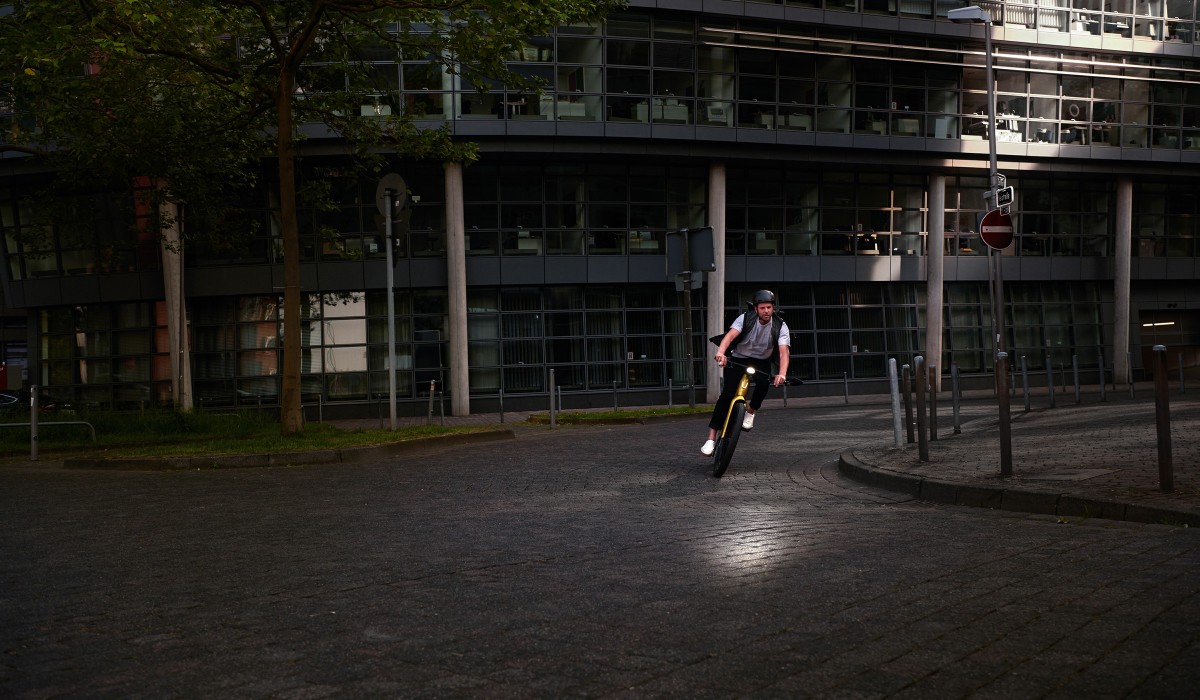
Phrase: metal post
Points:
(1025, 381)
(906, 387)
(1129, 372)
(501, 404)
(956, 397)
(391, 308)
(614, 394)
(432, 388)
(553, 413)
(1162, 420)
(893, 386)
(670, 394)
(922, 424)
(1050, 378)
(33, 423)
(933, 413)
(1181, 389)
(1005, 422)
(1075, 374)
(687, 315)
(846, 387)
(1103, 397)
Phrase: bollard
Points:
(905, 386)
(560, 398)
(846, 387)
(1050, 379)
(33, 423)
(1103, 396)
(1075, 374)
(1162, 420)
(1129, 372)
(614, 394)
(1025, 381)
(785, 386)
(933, 416)
(429, 415)
(955, 397)
(553, 413)
(670, 394)
(894, 388)
(1181, 390)
(920, 373)
(1005, 419)
(442, 407)
(501, 404)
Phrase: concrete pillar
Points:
(935, 275)
(715, 320)
(175, 299)
(456, 283)
(1124, 256)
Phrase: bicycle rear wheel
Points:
(727, 444)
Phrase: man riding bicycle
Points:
(758, 338)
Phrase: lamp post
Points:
(975, 14)
(390, 197)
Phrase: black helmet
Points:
(764, 296)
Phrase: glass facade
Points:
(829, 136)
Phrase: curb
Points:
(1011, 499)
(350, 455)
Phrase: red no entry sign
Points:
(996, 230)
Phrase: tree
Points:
(189, 94)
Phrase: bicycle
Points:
(727, 439)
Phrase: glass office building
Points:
(838, 149)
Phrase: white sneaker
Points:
(748, 423)
(708, 447)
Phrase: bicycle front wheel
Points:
(727, 444)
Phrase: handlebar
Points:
(788, 381)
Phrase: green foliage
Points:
(173, 433)
(189, 94)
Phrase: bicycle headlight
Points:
(749, 370)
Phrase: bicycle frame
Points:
(740, 396)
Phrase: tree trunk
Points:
(291, 417)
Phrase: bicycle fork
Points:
(743, 387)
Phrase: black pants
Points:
(733, 375)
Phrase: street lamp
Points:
(975, 14)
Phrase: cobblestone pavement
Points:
(1092, 458)
(588, 562)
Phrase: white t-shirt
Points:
(758, 343)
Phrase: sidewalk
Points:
(1091, 459)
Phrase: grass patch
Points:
(585, 417)
(174, 434)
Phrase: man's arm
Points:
(725, 343)
(784, 358)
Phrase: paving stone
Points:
(606, 561)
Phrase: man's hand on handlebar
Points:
(721, 359)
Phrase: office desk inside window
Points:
(1073, 135)
(907, 127)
